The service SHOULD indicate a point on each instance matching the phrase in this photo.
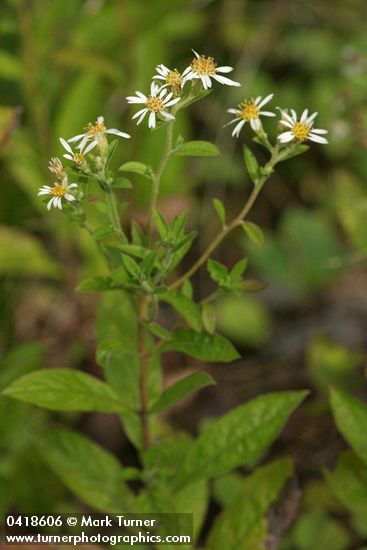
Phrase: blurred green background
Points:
(63, 63)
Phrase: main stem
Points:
(234, 223)
(114, 214)
(143, 382)
(157, 179)
(144, 356)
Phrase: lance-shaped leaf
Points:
(88, 470)
(96, 284)
(136, 168)
(350, 416)
(253, 232)
(240, 437)
(207, 347)
(349, 483)
(220, 210)
(65, 390)
(242, 525)
(185, 307)
(181, 389)
(198, 149)
(251, 164)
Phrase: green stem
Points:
(143, 382)
(113, 213)
(226, 229)
(157, 178)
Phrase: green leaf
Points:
(137, 234)
(20, 360)
(104, 232)
(89, 471)
(317, 525)
(218, 272)
(198, 149)
(252, 285)
(253, 232)
(181, 389)
(349, 483)
(21, 254)
(122, 183)
(220, 210)
(238, 270)
(295, 150)
(161, 223)
(136, 168)
(209, 317)
(185, 307)
(60, 389)
(95, 284)
(131, 265)
(240, 437)
(158, 331)
(187, 289)
(242, 523)
(251, 164)
(350, 416)
(207, 347)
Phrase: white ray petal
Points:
(319, 131)
(144, 112)
(151, 121)
(168, 115)
(172, 102)
(304, 115)
(139, 113)
(116, 132)
(317, 139)
(225, 80)
(255, 124)
(265, 100)
(224, 69)
(76, 138)
(285, 137)
(311, 118)
(238, 128)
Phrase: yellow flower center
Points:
(78, 159)
(155, 104)
(95, 129)
(249, 110)
(174, 81)
(204, 65)
(59, 190)
(300, 131)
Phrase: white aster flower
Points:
(95, 132)
(155, 104)
(79, 157)
(250, 111)
(172, 77)
(302, 129)
(205, 68)
(58, 191)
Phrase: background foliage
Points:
(63, 63)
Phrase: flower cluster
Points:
(93, 137)
(170, 92)
(299, 131)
